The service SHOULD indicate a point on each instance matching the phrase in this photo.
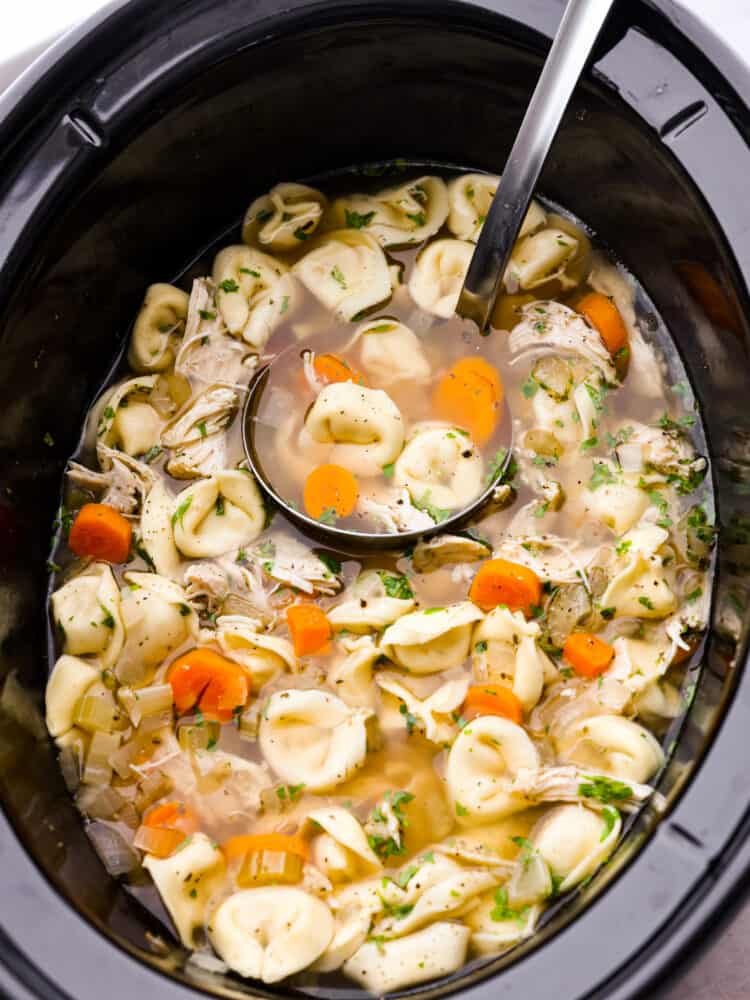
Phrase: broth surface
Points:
(404, 756)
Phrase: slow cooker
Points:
(140, 137)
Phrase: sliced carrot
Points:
(309, 628)
(499, 581)
(709, 294)
(164, 828)
(330, 488)
(332, 368)
(172, 816)
(161, 843)
(588, 655)
(495, 700)
(291, 843)
(604, 316)
(100, 532)
(204, 678)
(470, 395)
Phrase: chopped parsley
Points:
(530, 388)
(328, 516)
(589, 444)
(338, 276)
(201, 425)
(206, 314)
(152, 454)
(182, 509)
(623, 547)
(355, 220)
(229, 285)
(411, 720)
(646, 602)
(502, 911)
(219, 506)
(437, 514)
(396, 586)
(601, 476)
(330, 563)
(418, 218)
(610, 815)
(606, 790)
(481, 646)
(389, 469)
(461, 810)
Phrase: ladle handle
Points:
(576, 36)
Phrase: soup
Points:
(381, 768)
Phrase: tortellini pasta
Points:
(351, 676)
(505, 651)
(157, 619)
(434, 715)
(470, 197)
(128, 420)
(435, 951)
(364, 425)
(87, 615)
(641, 589)
(406, 213)
(482, 764)
(392, 352)
(218, 514)
(312, 738)
(186, 881)
(71, 677)
(540, 257)
(156, 532)
(159, 323)
(264, 656)
(438, 276)
(341, 850)
(440, 466)
(253, 293)
(347, 271)
(614, 745)
(574, 841)
(427, 642)
(284, 218)
(270, 933)
(616, 503)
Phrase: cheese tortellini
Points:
(470, 197)
(347, 271)
(429, 641)
(157, 619)
(271, 933)
(483, 761)
(282, 219)
(438, 275)
(406, 213)
(392, 352)
(254, 291)
(505, 651)
(312, 738)
(364, 425)
(160, 322)
(574, 841)
(87, 615)
(614, 745)
(440, 466)
(375, 599)
(218, 514)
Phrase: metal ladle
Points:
(576, 36)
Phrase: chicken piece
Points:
(196, 435)
(123, 482)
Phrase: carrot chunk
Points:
(495, 700)
(330, 490)
(202, 678)
(100, 532)
(604, 316)
(588, 655)
(290, 843)
(332, 368)
(309, 628)
(164, 828)
(500, 581)
(470, 395)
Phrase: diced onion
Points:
(117, 856)
(100, 801)
(158, 841)
(97, 711)
(98, 770)
(150, 789)
(142, 702)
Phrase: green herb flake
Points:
(356, 221)
(605, 790)
(338, 276)
(229, 285)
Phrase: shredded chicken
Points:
(196, 435)
(394, 511)
(208, 355)
(559, 330)
(570, 784)
(290, 562)
(230, 585)
(123, 482)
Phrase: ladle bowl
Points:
(348, 539)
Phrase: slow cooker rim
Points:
(739, 863)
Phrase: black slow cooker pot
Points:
(144, 134)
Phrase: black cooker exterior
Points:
(143, 134)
